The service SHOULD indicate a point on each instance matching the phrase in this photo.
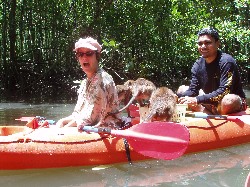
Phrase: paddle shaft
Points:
(244, 118)
(206, 116)
(39, 119)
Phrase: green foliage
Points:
(155, 39)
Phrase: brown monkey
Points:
(123, 93)
(141, 91)
(162, 105)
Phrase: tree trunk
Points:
(4, 45)
(12, 42)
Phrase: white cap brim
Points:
(88, 43)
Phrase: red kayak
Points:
(25, 147)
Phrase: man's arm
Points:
(226, 79)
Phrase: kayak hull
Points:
(43, 149)
(213, 134)
(24, 148)
(45, 155)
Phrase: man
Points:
(97, 96)
(217, 75)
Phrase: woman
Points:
(97, 96)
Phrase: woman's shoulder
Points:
(106, 77)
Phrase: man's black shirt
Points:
(216, 79)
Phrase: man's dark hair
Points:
(209, 31)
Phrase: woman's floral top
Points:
(96, 99)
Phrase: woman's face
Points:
(88, 61)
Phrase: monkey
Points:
(123, 93)
(140, 89)
(162, 105)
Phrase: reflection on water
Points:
(219, 168)
(11, 111)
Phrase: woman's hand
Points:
(79, 127)
(60, 123)
(65, 122)
(72, 123)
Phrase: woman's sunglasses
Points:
(88, 54)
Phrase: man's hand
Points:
(188, 100)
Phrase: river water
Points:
(226, 167)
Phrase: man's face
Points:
(207, 47)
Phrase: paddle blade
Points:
(160, 140)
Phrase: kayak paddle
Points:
(247, 182)
(39, 119)
(244, 118)
(160, 140)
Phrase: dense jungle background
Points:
(154, 39)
